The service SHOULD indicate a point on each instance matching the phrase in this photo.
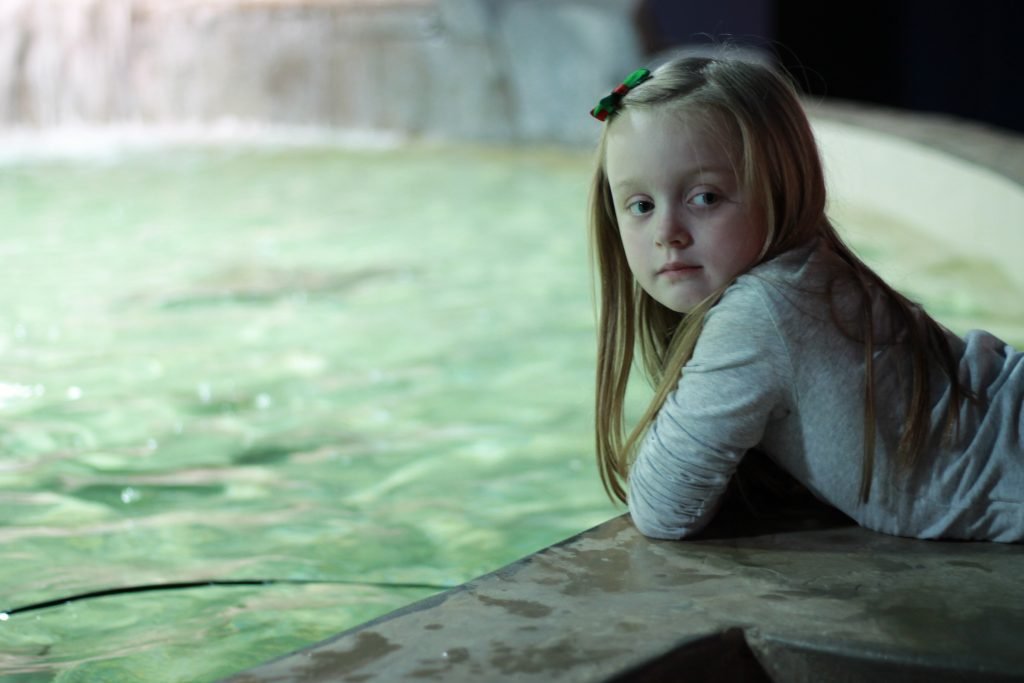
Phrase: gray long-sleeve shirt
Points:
(773, 369)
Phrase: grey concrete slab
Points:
(790, 599)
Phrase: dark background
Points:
(959, 57)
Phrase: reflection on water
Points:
(301, 364)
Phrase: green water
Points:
(306, 364)
(291, 364)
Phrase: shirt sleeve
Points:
(733, 384)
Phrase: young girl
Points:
(758, 327)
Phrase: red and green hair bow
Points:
(610, 104)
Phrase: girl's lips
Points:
(678, 269)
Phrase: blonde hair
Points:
(780, 170)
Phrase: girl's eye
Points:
(706, 199)
(640, 207)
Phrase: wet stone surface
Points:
(783, 600)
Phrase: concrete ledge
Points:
(783, 600)
(999, 150)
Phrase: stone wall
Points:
(496, 70)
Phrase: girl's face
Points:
(685, 222)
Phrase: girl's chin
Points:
(676, 304)
(674, 299)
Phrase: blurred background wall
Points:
(499, 70)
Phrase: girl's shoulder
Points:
(810, 263)
(803, 286)
(804, 270)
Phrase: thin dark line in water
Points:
(183, 585)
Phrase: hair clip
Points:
(610, 104)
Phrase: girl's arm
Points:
(736, 381)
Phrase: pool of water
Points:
(308, 364)
(294, 363)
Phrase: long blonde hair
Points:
(780, 170)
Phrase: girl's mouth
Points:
(677, 270)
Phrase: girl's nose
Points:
(671, 231)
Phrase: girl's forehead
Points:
(641, 138)
(668, 116)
